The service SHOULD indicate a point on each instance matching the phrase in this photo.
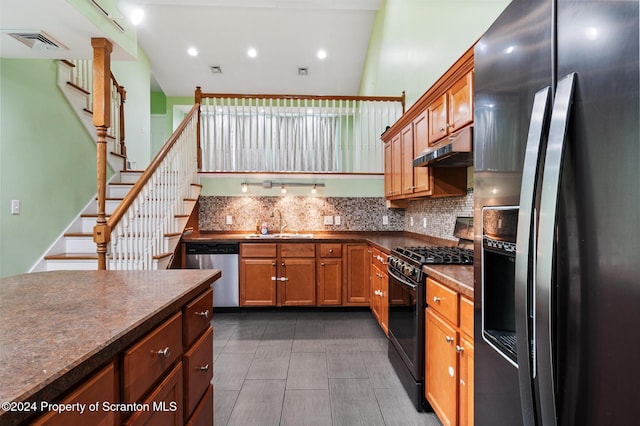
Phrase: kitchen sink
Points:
(279, 236)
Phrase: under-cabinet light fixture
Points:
(282, 185)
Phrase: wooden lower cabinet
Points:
(379, 301)
(297, 285)
(449, 365)
(330, 274)
(357, 287)
(165, 375)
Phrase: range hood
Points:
(454, 151)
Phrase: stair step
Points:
(79, 242)
(119, 189)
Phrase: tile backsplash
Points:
(299, 213)
(356, 214)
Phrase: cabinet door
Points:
(257, 282)
(465, 356)
(166, 399)
(374, 300)
(437, 115)
(421, 176)
(388, 170)
(396, 166)
(406, 137)
(357, 286)
(441, 370)
(384, 301)
(460, 103)
(297, 285)
(330, 281)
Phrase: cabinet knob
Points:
(449, 339)
(204, 368)
(164, 353)
(273, 264)
(436, 299)
(204, 313)
(442, 129)
(330, 250)
(459, 349)
(322, 264)
(283, 264)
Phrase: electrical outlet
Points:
(15, 206)
(337, 220)
(424, 222)
(385, 220)
(410, 220)
(229, 220)
(328, 220)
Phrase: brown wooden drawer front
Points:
(443, 300)
(330, 250)
(298, 250)
(203, 414)
(143, 365)
(258, 250)
(197, 317)
(198, 370)
(165, 403)
(99, 388)
(379, 259)
(466, 316)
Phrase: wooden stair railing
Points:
(148, 212)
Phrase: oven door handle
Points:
(401, 280)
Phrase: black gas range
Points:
(407, 303)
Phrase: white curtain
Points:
(263, 135)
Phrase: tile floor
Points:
(306, 368)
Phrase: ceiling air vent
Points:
(38, 40)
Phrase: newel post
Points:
(102, 49)
(198, 100)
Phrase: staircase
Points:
(147, 210)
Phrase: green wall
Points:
(415, 41)
(135, 76)
(47, 161)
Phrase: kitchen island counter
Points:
(58, 327)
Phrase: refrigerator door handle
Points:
(556, 147)
(525, 266)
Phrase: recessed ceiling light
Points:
(303, 71)
(192, 51)
(216, 69)
(252, 53)
(322, 54)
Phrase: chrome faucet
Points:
(280, 222)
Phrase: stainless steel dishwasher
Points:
(218, 255)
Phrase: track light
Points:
(314, 189)
(245, 187)
(283, 189)
(267, 184)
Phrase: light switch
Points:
(337, 220)
(229, 220)
(424, 222)
(385, 220)
(411, 221)
(15, 206)
(328, 220)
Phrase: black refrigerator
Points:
(557, 201)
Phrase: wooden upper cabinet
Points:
(388, 172)
(460, 103)
(406, 137)
(453, 110)
(437, 115)
(442, 110)
(421, 176)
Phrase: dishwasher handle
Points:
(212, 248)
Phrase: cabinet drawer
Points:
(203, 414)
(379, 259)
(101, 387)
(165, 403)
(143, 364)
(330, 250)
(197, 317)
(258, 250)
(198, 368)
(466, 316)
(443, 300)
(298, 250)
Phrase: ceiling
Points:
(286, 35)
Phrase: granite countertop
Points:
(58, 327)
